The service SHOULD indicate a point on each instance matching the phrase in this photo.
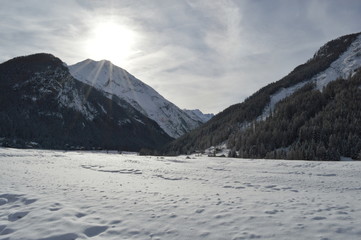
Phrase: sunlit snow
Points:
(92, 195)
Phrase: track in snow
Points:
(81, 195)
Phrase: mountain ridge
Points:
(43, 104)
(113, 80)
(198, 115)
(229, 125)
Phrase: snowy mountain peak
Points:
(113, 80)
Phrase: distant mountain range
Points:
(312, 113)
(198, 116)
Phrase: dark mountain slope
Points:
(41, 102)
(310, 125)
(229, 125)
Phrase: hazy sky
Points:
(206, 54)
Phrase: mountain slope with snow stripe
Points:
(292, 107)
(343, 67)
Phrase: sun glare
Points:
(112, 42)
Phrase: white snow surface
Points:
(343, 67)
(57, 195)
(113, 80)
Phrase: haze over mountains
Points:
(312, 113)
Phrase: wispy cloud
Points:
(197, 53)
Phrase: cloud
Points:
(197, 53)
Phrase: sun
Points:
(111, 41)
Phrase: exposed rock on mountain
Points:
(42, 105)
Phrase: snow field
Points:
(57, 195)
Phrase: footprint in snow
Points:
(67, 236)
(318, 218)
(271, 211)
(116, 222)
(200, 210)
(326, 175)
(3, 201)
(169, 178)
(80, 215)
(55, 207)
(270, 186)
(9, 198)
(28, 201)
(95, 230)
(16, 216)
(6, 231)
(101, 169)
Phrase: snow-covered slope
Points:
(113, 80)
(343, 67)
(197, 115)
(57, 195)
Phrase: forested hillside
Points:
(286, 131)
(310, 125)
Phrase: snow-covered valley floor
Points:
(57, 195)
